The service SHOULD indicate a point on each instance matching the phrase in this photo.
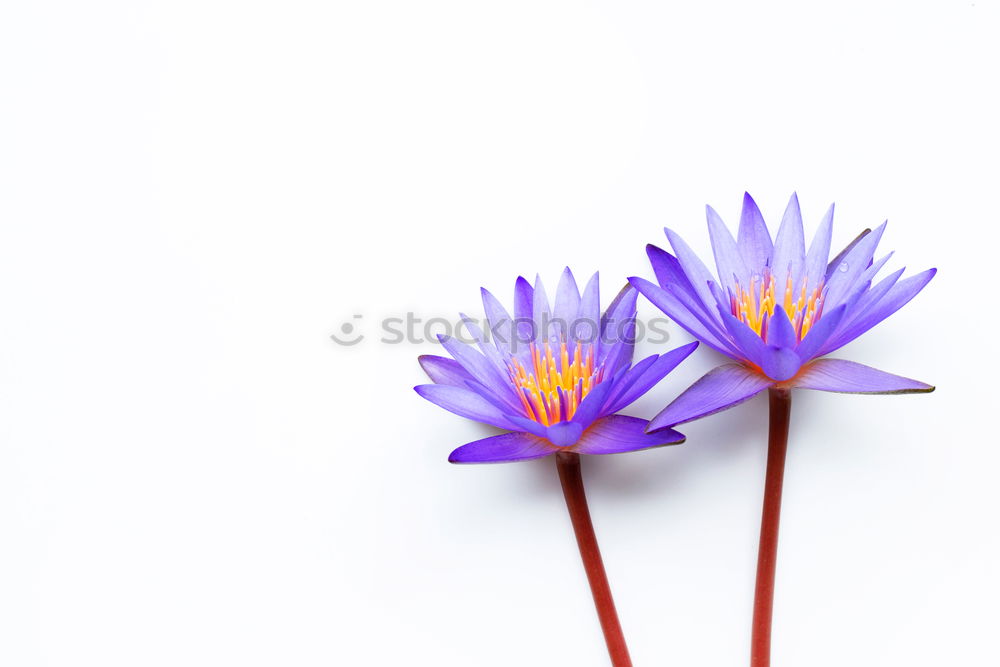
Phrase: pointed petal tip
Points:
(635, 282)
(749, 203)
(655, 253)
(685, 351)
(665, 431)
(457, 458)
(850, 377)
(676, 437)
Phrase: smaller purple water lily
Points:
(775, 309)
(553, 375)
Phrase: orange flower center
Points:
(553, 385)
(755, 304)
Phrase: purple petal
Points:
(670, 275)
(480, 368)
(684, 314)
(753, 239)
(836, 261)
(749, 343)
(528, 425)
(869, 274)
(618, 357)
(618, 323)
(590, 407)
(489, 351)
(652, 375)
(896, 298)
(863, 283)
(567, 306)
(872, 297)
(523, 299)
(697, 273)
(624, 380)
(524, 327)
(507, 403)
(820, 333)
(564, 434)
(667, 269)
(845, 275)
(541, 313)
(780, 332)
(819, 250)
(503, 449)
(474, 331)
(442, 370)
(719, 389)
(619, 433)
(852, 378)
(590, 312)
(465, 403)
(499, 322)
(789, 244)
(727, 255)
(780, 363)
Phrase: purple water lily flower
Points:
(552, 375)
(776, 308)
(555, 376)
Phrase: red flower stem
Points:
(568, 464)
(767, 553)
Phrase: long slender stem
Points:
(767, 553)
(568, 464)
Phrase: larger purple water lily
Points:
(776, 308)
(552, 375)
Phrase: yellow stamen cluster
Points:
(755, 305)
(553, 385)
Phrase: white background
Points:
(195, 195)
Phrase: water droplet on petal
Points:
(843, 267)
